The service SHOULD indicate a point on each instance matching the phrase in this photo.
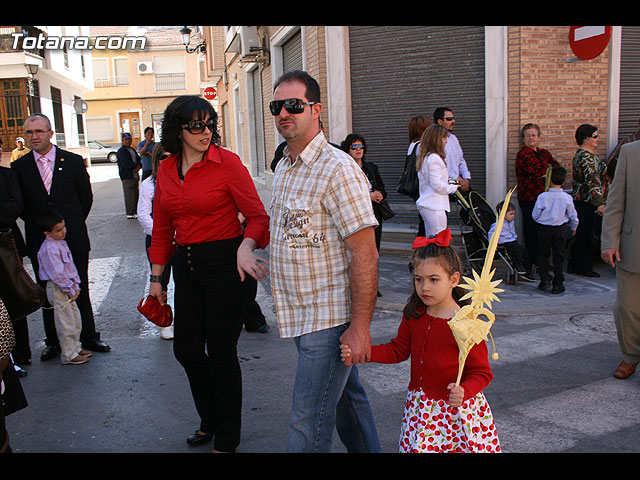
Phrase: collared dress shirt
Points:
(555, 207)
(317, 200)
(50, 157)
(205, 208)
(456, 164)
(56, 264)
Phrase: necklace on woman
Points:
(179, 163)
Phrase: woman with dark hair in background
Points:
(356, 147)
(200, 189)
(589, 197)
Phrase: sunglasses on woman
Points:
(291, 105)
(198, 126)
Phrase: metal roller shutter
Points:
(258, 118)
(400, 72)
(292, 53)
(629, 81)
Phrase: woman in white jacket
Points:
(145, 218)
(433, 203)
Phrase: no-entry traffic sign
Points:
(209, 93)
(589, 42)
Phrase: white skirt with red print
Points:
(432, 426)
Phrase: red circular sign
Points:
(210, 93)
(589, 42)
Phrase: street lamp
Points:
(186, 40)
(32, 68)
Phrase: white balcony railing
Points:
(170, 81)
(111, 81)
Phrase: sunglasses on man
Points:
(198, 126)
(291, 105)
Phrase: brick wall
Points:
(557, 95)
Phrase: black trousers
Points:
(580, 253)
(552, 240)
(518, 255)
(210, 306)
(529, 229)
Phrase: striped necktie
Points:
(46, 173)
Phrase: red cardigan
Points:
(434, 357)
(205, 208)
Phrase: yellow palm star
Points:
(483, 289)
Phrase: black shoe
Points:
(264, 328)
(379, 294)
(96, 346)
(20, 372)
(543, 285)
(558, 289)
(591, 274)
(199, 438)
(50, 352)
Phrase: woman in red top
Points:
(531, 167)
(200, 189)
(439, 416)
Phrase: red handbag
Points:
(161, 315)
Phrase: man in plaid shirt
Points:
(324, 272)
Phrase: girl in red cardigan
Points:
(439, 416)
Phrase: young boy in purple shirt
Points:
(557, 219)
(63, 286)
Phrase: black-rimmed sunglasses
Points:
(291, 105)
(198, 126)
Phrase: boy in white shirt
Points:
(556, 216)
(509, 240)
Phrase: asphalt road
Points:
(553, 390)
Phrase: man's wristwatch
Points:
(155, 278)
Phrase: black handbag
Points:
(385, 210)
(409, 184)
(20, 294)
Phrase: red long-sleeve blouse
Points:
(434, 357)
(531, 167)
(205, 207)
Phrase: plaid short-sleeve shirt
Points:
(317, 201)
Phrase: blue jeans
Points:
(327, 394)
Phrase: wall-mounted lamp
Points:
(186, 40)
(32, 69)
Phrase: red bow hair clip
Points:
(442, 239)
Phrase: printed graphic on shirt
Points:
(297, 223)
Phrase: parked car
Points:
(101, 153)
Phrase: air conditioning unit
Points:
(145, 67)
(248, 38)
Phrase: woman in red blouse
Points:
(531, 167)
(200, 189)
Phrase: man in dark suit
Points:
(54, 178)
